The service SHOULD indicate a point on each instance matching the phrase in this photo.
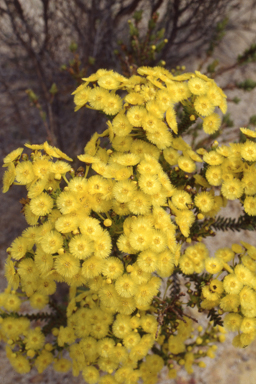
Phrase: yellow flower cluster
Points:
(236, 292)
(113, 232)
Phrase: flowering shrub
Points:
(125, 233)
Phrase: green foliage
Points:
(248, 56)
(220, 32)
(243, 222)
(212, 67)
(227, 121)
(252, 120)
(236, 100)
(247, 85)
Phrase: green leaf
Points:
(53, 90)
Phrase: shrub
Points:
(125, 233)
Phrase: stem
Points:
(103, 218)
(166, 289)
(87, 170)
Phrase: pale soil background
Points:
(236, 366)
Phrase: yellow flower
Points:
(19, 248)
(186, 164)
(226, 254)
(223, 106)
(51, 242)
(248, 325)
(186, 265)
(249, 263)
(149, 323)
(124, 191)
(108, 82)
(171, 156)
(213, 158)
(136, 116)
(12, 303)
(67, 202)
(92, 267)
(139, 276)
(37, 188)
(112, 104)
(198, 86)
(149, 166)
(171, 119)
(140, 204)
(144, 294)
(213, 265)
(24, 172)
(103, 245)
(216, 286)
(185, 219)
(13, 155)
(232, 322)
(248, 151)
(43, 360)
(176, 344)
(149, 184)
(214, 95)
(125, 286)
(250, 205)
(193, 155)
(248, 132)
(153, 108)
(203, 106)
(122, 173)
(163, 99)
(140, 147)
(35, 339)
(147, 261)
(134, 98)
(43, 261)
(41, 205)
(204, 201)
(180, 199)
(66, 265)
(20, 364)
(66, 224)
(161, 137)
(249, 183)
(121, 125)
(125, 305)
(150, 122)
(140, 240)
(178, 91)
(211, 123)
(97, 184)
(62, 365)
(9, 177)
(158, 241)
(232, 189)
(81, 97)
(98, 97)
(224, 151)
(243, 274)
(112, 268)
(60, 167)
(230, 303)
(81, 247)
(214, 175)
(38, 300)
